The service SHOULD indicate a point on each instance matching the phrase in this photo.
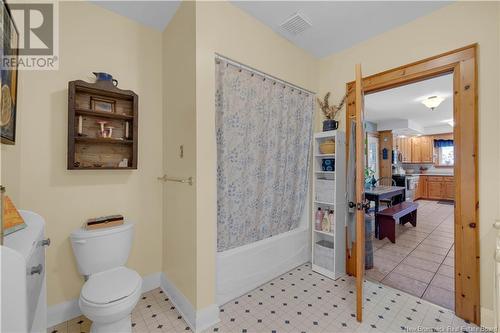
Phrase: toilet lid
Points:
(111, 285)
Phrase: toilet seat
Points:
(111, 286)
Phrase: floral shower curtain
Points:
(264, 130)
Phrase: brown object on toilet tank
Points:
(104, 222)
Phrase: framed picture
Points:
(8, 76)
(101, 104)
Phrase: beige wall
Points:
(449, 28)
(173, 74)
(225, 29)
(91, 39)
(10, 171)
(179, 93)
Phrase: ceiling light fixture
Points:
(433, 102)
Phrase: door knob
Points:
(36, 269)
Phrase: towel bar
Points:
(166, 178)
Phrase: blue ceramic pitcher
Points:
(101, 76)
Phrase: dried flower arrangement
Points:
(330, 111)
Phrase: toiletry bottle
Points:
(331, 216)
(324, 225)
(318, 219)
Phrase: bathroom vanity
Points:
(23, 298)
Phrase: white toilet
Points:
(111, 290)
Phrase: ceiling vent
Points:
(296, 24)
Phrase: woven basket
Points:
(327, 147)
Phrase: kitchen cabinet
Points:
(404, 146)
(436, 188)
(421, 149)
(417, 191)
(422, 187)
(416, 151)
(426, 149)
(449, 188)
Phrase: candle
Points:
(126, 130)
(80, 125)
(101, 132)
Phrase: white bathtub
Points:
(244, 268)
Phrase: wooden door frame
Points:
(462, 63)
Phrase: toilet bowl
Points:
(108, 298)
(111, 290)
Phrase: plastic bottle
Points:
(331, 216)
(318, 219)
(324, 225)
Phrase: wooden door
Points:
(416, 152)
(426, 149)
(360, 193)
(385, 159)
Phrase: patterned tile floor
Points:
(298, 301)
(421, 262)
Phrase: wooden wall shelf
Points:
(88, 146)
(103, 140)
(103, 114)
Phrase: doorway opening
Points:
(411, 249)
(462, 65)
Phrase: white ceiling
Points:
(337, 25)
(404, 103)
(154, 14)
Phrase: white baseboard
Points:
(197, 320)
(151, 282)
(62, 312)
(488, 319)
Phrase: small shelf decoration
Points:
(330, 112)
(329, 204)
(102, 126)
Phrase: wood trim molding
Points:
(462, 63)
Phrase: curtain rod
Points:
(251, 69)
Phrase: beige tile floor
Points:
(421, 262)
(295, 302)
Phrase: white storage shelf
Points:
(329, 193)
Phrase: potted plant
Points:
(330, 112)
(369, 178)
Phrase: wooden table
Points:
(385, 192)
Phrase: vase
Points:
(105, 77)
(330, 125)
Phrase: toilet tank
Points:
(102, 249)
